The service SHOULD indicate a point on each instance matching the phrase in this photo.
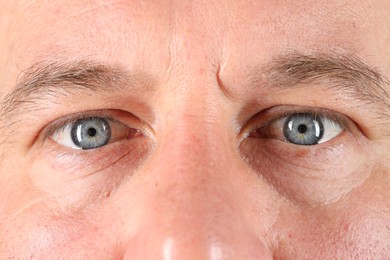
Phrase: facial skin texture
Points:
(196, 79)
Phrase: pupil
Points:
(92, 132)
(302, 129)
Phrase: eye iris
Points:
(303, 129)
(91, 133)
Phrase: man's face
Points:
(194, 129)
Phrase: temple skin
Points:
(195, 80)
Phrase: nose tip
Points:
(197, 225)
(152, 246)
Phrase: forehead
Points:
(140, 31)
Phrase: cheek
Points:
(43, 234)
(352, 228)
(30, 234)
(79, 179)
(312, 176)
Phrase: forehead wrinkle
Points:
(94, 7)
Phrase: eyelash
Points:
(273, 116)
(60, 124)
(270, 114)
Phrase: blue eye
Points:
(90, 133)
(303, 129)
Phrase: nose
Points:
(196, 207)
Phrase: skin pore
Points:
(195, 94)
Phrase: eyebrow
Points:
(347, 74)
(43, 80)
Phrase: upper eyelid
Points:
(61, 123)
(270, 115)
(316, 112)
(116, 116)
(337, 118)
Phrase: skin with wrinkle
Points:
(202, 82)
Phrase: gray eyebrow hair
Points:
(346, 73)
(43, 80)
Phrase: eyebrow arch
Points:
(43, 80)
(345, 73)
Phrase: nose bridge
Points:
(194, 206)
(194, 139)
(191, 170)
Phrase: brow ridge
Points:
(43, 80)
(347, 73)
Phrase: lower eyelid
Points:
(84, 162)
